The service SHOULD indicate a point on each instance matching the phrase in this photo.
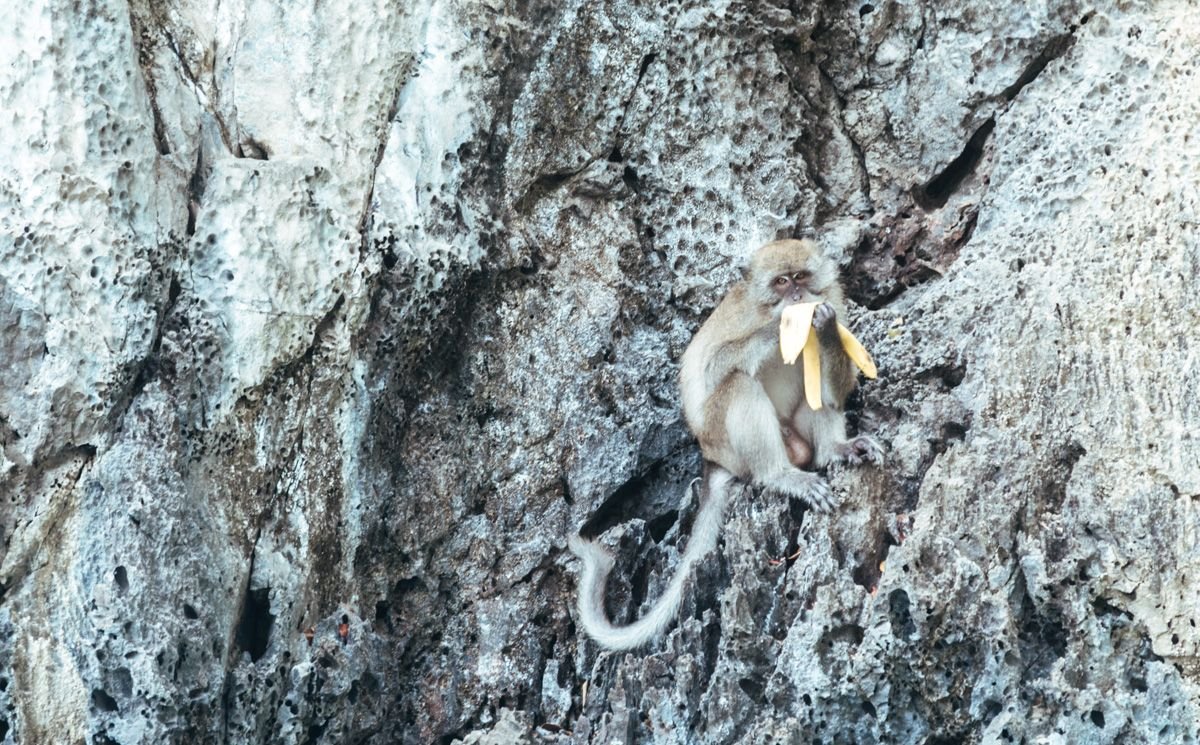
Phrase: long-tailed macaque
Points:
(748, 410)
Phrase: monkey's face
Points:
(787, 272)
(793, 287)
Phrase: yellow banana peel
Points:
(796, 337)
(812, 371)
(857, 352)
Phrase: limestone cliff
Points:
(323, 324)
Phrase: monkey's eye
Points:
(781, 281)
(802, 276)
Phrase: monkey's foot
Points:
(862, 449)
(806, 486)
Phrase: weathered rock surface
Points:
(323, 325)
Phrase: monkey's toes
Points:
(864, 449)
(805, 486)
(820, 496)
(814, 490)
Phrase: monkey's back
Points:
(737, 336)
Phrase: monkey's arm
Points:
(727, 343)
(826, 429)
(838, 376)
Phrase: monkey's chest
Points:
(784, 385)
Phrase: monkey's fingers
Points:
(857, 352)
(812, 372)
(794, 328)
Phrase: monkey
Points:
(748, 412)
(734, 384)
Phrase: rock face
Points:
(324, 324)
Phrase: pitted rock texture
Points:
(324, 325)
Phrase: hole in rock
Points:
(103, 701)
(256, 623)
(937, 191)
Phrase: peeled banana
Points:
(796, 337)
(794, 328)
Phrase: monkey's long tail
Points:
(598, 562)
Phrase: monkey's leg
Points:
(826, 430)
(754, 447)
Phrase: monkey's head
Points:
(791, 271)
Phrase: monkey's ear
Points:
(745, 270)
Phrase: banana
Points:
(794, 328)
(812, 372)
(857, 352)
(795, 337)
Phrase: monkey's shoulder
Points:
(737, 318)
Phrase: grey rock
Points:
(324, 325)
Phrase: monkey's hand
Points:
(862, 449)
(823, 318)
